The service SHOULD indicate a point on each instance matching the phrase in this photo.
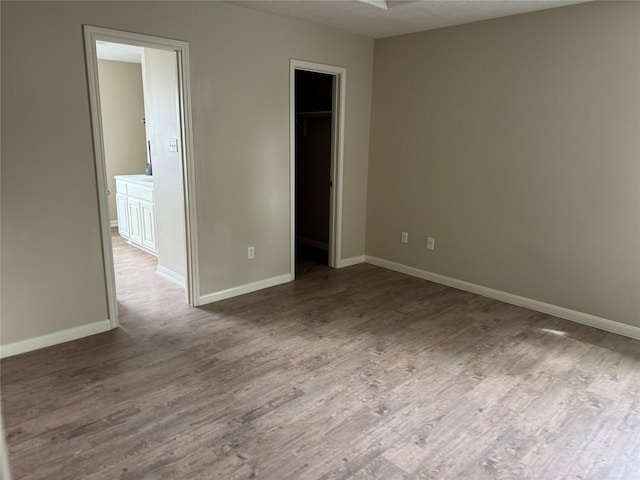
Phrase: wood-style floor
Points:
(352, 373)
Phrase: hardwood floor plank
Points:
(353, 373)
(379, 469)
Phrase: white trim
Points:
(242, 289)
(377, 3)
(145, 249)
(538, 306)
(347, 262)
(91, 34)
(340, 98)
(292, 170)
(189, 171)
(5, 470)
(114, 223)
(55, 338)
(337, 160)
(101, 185)
(170, 275)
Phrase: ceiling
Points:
(380, 18)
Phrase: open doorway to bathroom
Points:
(141, 137)
(132, 194)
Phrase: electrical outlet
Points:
(172, 144)
(431, 243)
(251, 252)
(404, 238)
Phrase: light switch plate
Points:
(172, 144)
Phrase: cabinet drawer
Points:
(141, 192)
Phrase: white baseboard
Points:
(114, 223)
(347, 262)
(170, 275)
(55, 338)
(242, 289)
(141, 247)
(556, 311)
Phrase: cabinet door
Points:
(148, 218)
(135, 224)
(123, 215)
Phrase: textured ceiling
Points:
(401, 16)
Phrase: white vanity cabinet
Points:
(136, 211)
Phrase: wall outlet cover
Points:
(172, 144)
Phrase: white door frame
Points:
(337, 153)
(91, 34)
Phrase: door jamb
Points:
(337, 156)
(91, 34)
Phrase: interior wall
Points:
(515, 142)
(122, 105)
(240, 66)
(160, 70)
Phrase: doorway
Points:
(314, 118)
(317, 119)
(155, 204)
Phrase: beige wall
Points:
(52, 272)
(516, 144)
(122, 105)
(163, 122)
